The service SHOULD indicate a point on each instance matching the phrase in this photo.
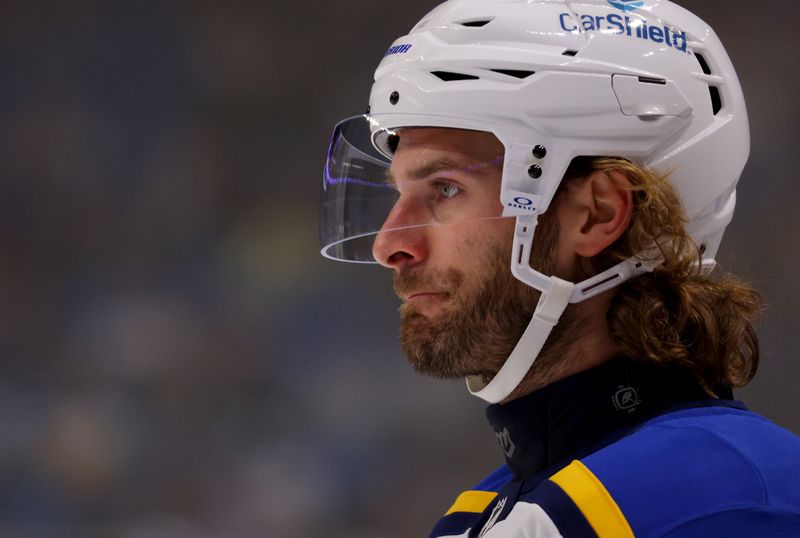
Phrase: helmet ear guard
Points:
(556, 80)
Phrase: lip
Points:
(427, 303)
(425, 295)
(423, 298)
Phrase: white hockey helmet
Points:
(553, 80)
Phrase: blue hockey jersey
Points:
(629, 450)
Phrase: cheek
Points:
(468, 246)
(482, 245)
(472, 239)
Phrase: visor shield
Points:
(363, 195)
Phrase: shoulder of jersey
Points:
(696, 472)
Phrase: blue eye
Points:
(448, 190)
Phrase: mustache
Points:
(412, 280)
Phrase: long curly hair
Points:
(677, 314)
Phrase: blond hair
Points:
(676, 315)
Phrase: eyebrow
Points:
(445, 165)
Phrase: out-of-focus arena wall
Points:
(176, 359)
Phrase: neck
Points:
(581, 340)
(577, 415)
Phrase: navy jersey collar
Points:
(573, 414)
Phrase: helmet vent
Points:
(516, 73)
(569, 52)
(448, 76)
(703, 63)
(475, 23)
(716, 100)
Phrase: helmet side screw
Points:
(539, 151)
(394, 98)
(535, 171)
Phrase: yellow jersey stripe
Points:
(472, 501)
(593, 500)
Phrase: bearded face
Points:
(463, 311)
(484, 314)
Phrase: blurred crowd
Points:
(175, 357)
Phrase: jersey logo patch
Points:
(498, 508)
(504, 438)
(626, 399)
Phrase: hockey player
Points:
(550, 182)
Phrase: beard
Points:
(485, 315)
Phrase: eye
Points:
(448, 190)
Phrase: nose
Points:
(403, 239)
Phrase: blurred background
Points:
(176, 359)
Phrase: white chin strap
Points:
(556, 295)
(551, 305)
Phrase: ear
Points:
(595, 212)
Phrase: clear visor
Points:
(439, 177)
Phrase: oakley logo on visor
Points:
(520, 202)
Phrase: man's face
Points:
(463, 311)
